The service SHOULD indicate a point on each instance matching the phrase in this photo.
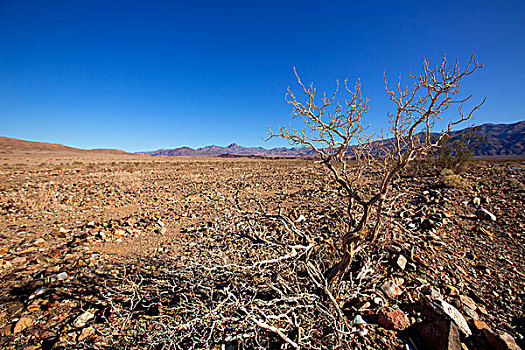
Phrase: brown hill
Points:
(15, 146)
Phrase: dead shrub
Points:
(449, 179)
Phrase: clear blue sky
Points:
(143, 75)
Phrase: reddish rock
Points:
(393, 319)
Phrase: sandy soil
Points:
(119, 226)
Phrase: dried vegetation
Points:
(205, 253)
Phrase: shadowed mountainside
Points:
(500, 139)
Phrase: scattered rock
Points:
(34, 306)
(378, 301)
(393, 319)
(19, 260)
(26, 259)
(40, 241)
(401, 262)
(58, 277)
(194, 198)
(86, 333)
(365, 306)
(6, 330)
(466, 300)
(484, 214)
(445, 309)
(479, 325)
(53, 270)
(500, 340)
(83, 319)
(5, 264)
(391, 289)
(37, 292)
(435, 293)
(22, 324)
(441, 334)
(412, 266)
(358, 319)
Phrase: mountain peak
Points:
(501, 140)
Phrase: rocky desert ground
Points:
(113, 251)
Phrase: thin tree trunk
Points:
(348, 244)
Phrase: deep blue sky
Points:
(143, 75)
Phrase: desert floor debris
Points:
(123, 253)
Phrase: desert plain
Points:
(108, 251)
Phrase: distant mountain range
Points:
(500, 140)
(233, 149)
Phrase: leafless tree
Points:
(270, 281)
(337, 134)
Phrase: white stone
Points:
(484, 214)
(83, 319)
